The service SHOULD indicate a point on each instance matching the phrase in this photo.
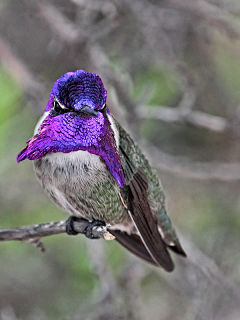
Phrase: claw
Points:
(88, 231)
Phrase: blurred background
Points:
(172, 71)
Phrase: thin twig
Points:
(58, 23)
(188, 169)
(205, 270)
(175, 115)
(212, 14)
(34, 233)
(17, 68)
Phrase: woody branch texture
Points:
(34, 233)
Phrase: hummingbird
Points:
(89, 165)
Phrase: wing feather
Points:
(134, 244)
(148, 243)
(146, 223)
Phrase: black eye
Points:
(58, 108)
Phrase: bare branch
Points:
(202, 277)
(212, 14)
(59, 24)
(34, 233)
(17, 68)
(175, 115)
(184, 167)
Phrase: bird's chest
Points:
(75, 171)
(80, 184)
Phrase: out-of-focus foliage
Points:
(177, 56)
(159, 85)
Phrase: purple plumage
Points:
(67, 132)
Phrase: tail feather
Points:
(134, 244)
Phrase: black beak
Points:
(86, 109)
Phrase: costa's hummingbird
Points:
(92, 169)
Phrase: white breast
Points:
(75, 157)
(71, 174)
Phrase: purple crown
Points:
(74, 89)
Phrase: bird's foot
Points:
(70, 227)
(88, 230)
(87, 227)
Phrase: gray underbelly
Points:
(81, 189)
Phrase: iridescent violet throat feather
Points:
(92, 169)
